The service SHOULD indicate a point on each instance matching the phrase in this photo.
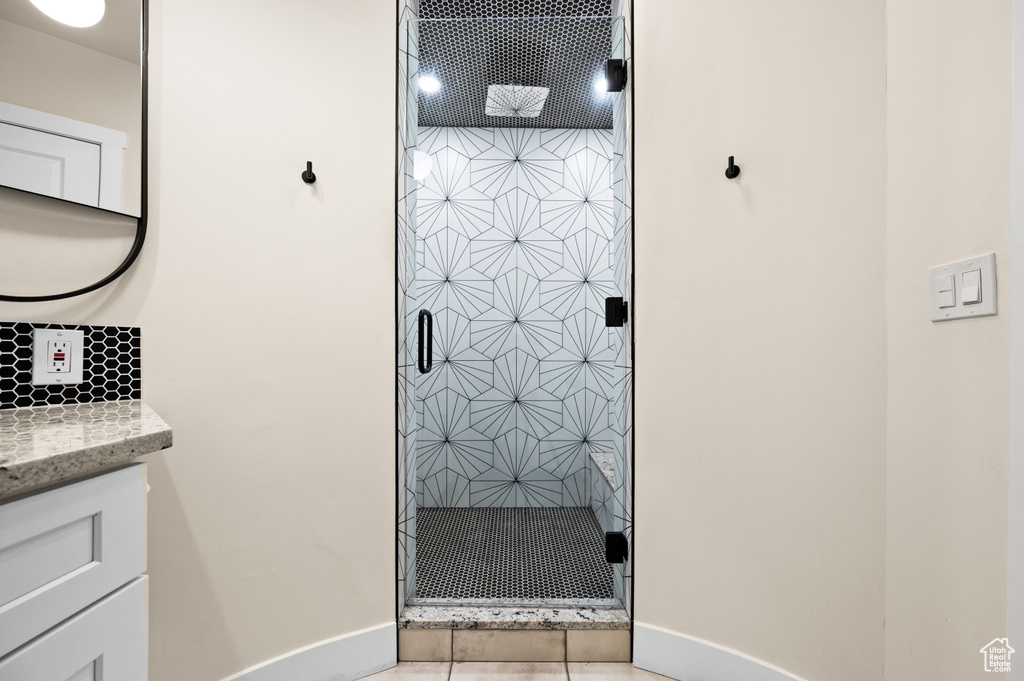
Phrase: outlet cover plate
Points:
(40, 340)
(987, 264)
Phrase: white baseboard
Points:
(344, 658)
(690, 659)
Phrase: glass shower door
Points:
(510, 239)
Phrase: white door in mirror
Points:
(58, 356)
(48, 164)
(58, 156)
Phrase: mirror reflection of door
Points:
(89, 77)
(49, 164)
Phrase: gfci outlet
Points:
(58, 356)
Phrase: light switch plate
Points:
(42, 341)
(938, 278)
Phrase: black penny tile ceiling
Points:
(560, 45)
(475, 9)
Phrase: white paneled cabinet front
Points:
(106, 641)
(71, 584)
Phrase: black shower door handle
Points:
(425, 362)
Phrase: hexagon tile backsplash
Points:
(113, 366)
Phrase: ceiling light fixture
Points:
(77, 13)
(601, 86)
(515, 101)
(427, 84)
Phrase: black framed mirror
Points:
(73, 113)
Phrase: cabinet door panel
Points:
(105, 642)
(86, 673)
(45, 558)
(63, 549)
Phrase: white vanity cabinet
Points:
(73, 592)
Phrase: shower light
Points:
(601, 86)
(77, 13)
(427, 84)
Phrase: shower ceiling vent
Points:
(515, 101)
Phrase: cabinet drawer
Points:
(106, 641)
(64, 549)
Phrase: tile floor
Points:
(510, 553)
(515, 671)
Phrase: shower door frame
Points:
(407, 10)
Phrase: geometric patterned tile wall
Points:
(112, 368)
(515, 234)
(622, 421)
(405, 255)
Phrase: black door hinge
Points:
(616, 548)
(616, 311)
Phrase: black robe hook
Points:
(733, 170)
(307, 176)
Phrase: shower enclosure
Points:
(514, 266)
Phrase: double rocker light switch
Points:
(963, 289)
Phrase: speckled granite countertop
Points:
(45, 445)
(511, 617)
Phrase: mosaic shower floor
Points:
(510, 554)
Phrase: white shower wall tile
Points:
(406, 273)
(515, 230)
(620, 407)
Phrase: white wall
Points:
(760, 329)
(843, 460)
(948, 198)
(272, 518)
